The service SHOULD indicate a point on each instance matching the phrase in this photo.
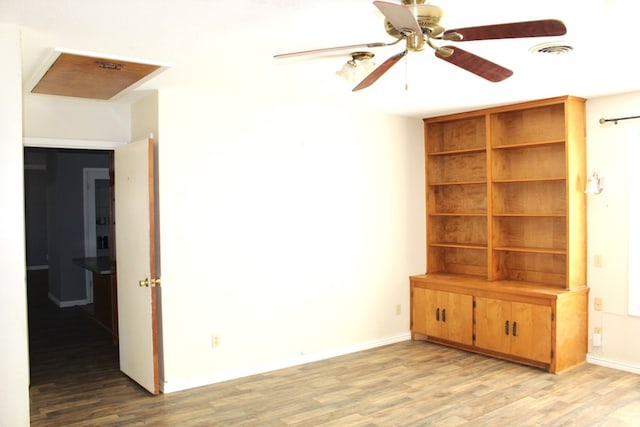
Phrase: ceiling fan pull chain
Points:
(406, 72)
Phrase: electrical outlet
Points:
(596, 338)
(597, 304)
(398, 309)
(215, 340)
(597, 260)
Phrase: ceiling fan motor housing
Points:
(428, 17)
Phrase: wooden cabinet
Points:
(105, 301)
(516, 328)
(506, 208)
(446, 315)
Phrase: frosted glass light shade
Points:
(358, 67)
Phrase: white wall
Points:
(608, 230)
(144, 117)
(60, 117)
(14, 358)
(287, 230)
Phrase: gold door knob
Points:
(144, 283)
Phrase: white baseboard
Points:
(170, 387)
(37, 267)
(65, 304)
(614, 364)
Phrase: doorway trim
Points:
(80, 144)
(89, 178)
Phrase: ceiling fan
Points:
(418, 24)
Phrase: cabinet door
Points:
(443, 315)
(531, 331)
(456, 317)
(493, 324)
(514, 328)
(422, 306)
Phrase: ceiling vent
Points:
(551, 48)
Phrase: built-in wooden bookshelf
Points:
(506, 226)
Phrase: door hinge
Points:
(553, 317)
(473, 337)
(474, 303)
(146, 282)
(552, 354)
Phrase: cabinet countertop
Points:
(100, 265)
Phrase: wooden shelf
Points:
(459, 245)
(455, 152)
(530, 250)
(529, 215)
(502, 180)
(440, 184)
(506, 234)
(470, 214)
(517, 180)
(531, 144)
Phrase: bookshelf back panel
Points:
(528, 125)
(549, 269)
(457, 261)
(454, 135)
(462, 230)
(530, 232)
(457, 168)
(452, 199)
(544, 161)
(530, 198)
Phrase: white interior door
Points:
(135, 263)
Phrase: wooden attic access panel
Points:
(91, 77)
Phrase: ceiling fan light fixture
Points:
(358, 67)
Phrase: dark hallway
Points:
(73, 360)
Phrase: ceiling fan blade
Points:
(400, 17)
(379, 71)
(475, 64)
(541, 28)
(331, 49)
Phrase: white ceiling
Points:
(227, 47)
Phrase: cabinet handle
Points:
(444, 314)
(438, 314)
(506, 327)
(515, 325)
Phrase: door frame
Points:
(76, 144)
(89, 178)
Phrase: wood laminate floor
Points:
(76, 382)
